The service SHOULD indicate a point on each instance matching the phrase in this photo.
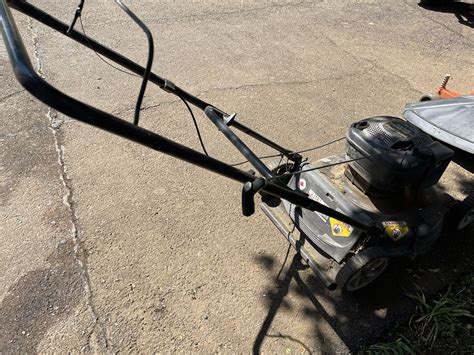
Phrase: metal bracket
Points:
(230, 119)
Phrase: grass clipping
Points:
(442, 324)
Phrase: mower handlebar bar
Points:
(71, 107)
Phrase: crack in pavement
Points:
(80, 254)
(144, 108)
(252, 86)
(11, 95)
(372, 62)
(246, 11)
(288, 83)
(213, 15)
(19, 132)
(424, 15)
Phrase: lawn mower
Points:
(347, 215)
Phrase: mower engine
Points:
(393, 156)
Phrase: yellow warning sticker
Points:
(340, 229)
(396, 230)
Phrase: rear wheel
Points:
(429, 97)
(362, 269)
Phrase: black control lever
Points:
(248, 194)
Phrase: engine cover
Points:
(393, 155)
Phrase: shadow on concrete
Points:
(38, 300)
(463, 12)
(363, 316)
(466, 161)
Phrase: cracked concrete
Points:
(41, 280)
(454, 32)
(108, 246)
(250, 86)
(11, 95)
(80, 254)
(204, 14)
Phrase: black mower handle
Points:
(71, 107)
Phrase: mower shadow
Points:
(363, 316)
(464, 160)
(463, 12)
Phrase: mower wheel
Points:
(429, 97)
(461, 214)
(362, 269)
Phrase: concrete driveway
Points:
(107, 246)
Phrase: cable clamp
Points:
(169, 86)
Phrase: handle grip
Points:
(248, 194)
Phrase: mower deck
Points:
(421, 216)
